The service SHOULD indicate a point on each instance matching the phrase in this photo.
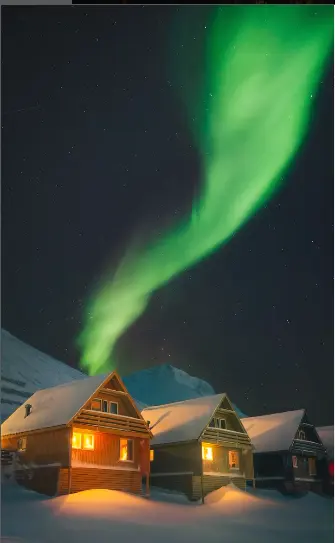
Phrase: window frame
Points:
(117, 408)
(300, 434)
(93, 442)
(237, 467)
(294, 461)
(217, 423)
(133, 455)
(312, 461)
(109, 402)
(80, 441)
(203, 453)
(22, 444)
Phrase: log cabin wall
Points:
(106, 451)
(47, 447)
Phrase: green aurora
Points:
(248, 117)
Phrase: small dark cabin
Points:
(198, 446)
(288, 453)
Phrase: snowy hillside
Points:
(24, 370)
(166, 384)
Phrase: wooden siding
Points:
(176, 458)
(95, 478)
(179, 482)
(211, 482)
(302, 446)
(63, 481)
(43, 479)
(233, 439)
(117, 423)
(125, 407)
(106, 451)
(220, 463)
(48, 447)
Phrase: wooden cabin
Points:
(78, 436)
(198, 445)
(288, 452)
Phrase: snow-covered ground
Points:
(228, 516)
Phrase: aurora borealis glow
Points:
(263, 66)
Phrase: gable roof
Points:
(326, 434)
(56, 406)
(275, 432)
(181, 421)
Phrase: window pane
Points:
(76, 440)
(130, 450)
(105, 406)
(212, 424)
(222, 424)
(113, 408)
(89, 441)
(233, 460)
(96, 405)
(123, 449)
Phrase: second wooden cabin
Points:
(78, 436)
(198, 445)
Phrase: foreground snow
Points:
(229, 515)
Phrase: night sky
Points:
(94, 146)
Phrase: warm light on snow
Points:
(229, 515)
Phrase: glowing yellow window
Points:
(233, 460)
(152, 455)
(89, 442)
(126, 450)
(207, 453)
(76, 440)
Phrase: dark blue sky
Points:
(94, 144)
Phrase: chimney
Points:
(148, 423)
(28, 409)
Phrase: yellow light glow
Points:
(76, 440)
(152, 455)
(207, 453)
(89, 441)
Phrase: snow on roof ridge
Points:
(160, 406)
(73, 382)
(302, 410)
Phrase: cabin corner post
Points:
(147, 485)
(202, 476)
(70, 458)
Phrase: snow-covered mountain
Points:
(24, 370)
(166, 384)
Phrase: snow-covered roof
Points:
(326, 434)
(181, 421)
(53, 406)
(275, 432)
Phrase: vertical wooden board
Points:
(48, 447)
(106, 451)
